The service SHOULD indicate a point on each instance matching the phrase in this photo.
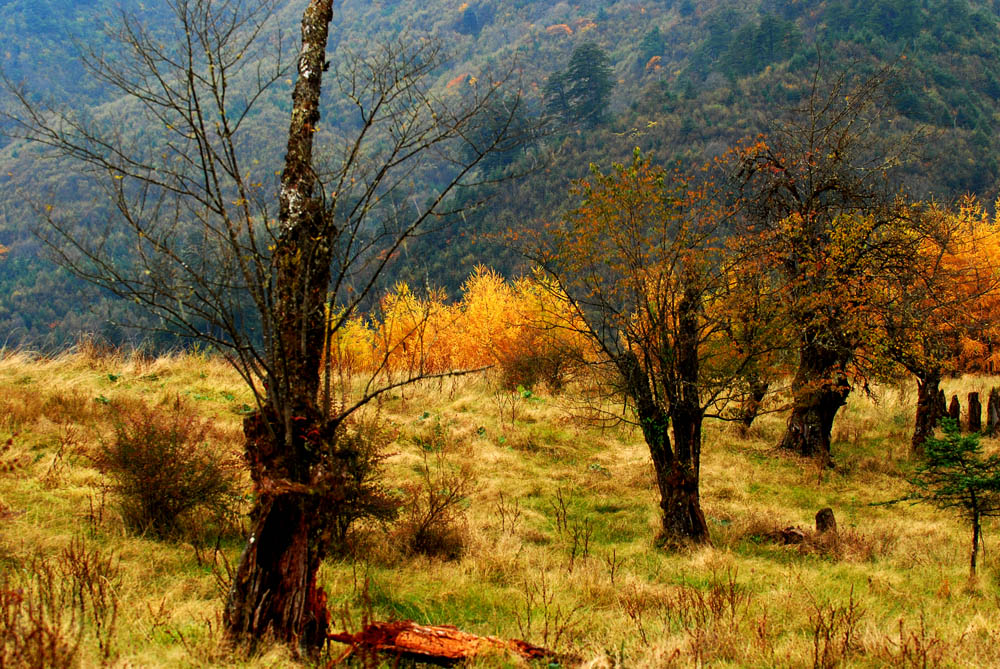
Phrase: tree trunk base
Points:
(683, 520)
(930, 409)
(811, 423)
(274, 593)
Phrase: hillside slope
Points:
(690, 79)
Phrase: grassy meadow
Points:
(553, 540)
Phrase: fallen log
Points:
(443, 645)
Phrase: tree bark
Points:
(442, 645)
(682, 520)
(288, 442)
(682, 507)
(929, 409)
(993, 411)
(819, 389)
(975, 413)
(955, 411)
(750, 407)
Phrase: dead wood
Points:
(443, 645)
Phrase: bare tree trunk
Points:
(274, 590)
(929, 409)
(677, 467)
(682, 520)
(993, 411)
(684, 502)
(819, 389)
(975, 413)
(680, 498)
(955, 411)
(750, 406)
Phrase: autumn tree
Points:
(941, 321)
(269, 286)
(643, 264)
(817, 202)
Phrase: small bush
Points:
(433, 518)
(361, 446)
(535, 362)
(162, 468)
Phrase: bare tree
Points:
(207, 252)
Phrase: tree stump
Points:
(993, 411)
(825, 521)
(975, 413)
(955, 409)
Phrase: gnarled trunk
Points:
(676, 479)
(289, 443)
(819, 389)
(751, 403)
(677, 465)
(682, 520)
(679, 484)
(929, 408)
(274, 590)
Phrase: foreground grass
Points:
(557, 534)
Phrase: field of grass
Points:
(554, 542)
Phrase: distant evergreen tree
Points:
(588, 85)
(468, 22)
(653, 44)
(757, 45)
(556, 98)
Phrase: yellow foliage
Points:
(559, 29)
(496, 324)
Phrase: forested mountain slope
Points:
(688, 79)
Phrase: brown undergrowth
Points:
(530, 524)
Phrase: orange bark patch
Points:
(438, 644)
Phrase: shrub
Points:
(361, 446)
(537, 362)
(162, 468)
(955, 473)
(36, 629)
(433, 521)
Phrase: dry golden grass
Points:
(559, 531)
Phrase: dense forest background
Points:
(684, 80)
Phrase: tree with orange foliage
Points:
(643, 264)
(944, 305)
(817, 204)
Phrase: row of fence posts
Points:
(974, 414)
